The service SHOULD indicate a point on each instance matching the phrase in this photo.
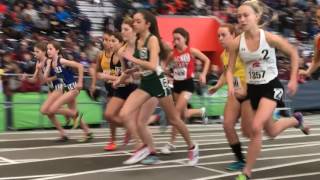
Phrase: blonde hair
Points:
(261, 10)
(128, 20)
(255, 5)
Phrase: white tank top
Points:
(261, 65)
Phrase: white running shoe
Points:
(166, 149)
(204, 116)
(193, 155)
(138, 156)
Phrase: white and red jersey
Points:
(183, 64)
(261, 65)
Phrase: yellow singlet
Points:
(105, 61)
(239, 70)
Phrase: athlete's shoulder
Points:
(316, 40)
(235, 43)
(274, 40)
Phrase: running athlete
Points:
(148, 52)
(315, 61)
(129, 76)
(121, 91)
(55, 87)
(256, 48)
(102, 72)
(235, 105)
(71, 88)
(183, 59)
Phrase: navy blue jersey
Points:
(54, 84)
(65, 76)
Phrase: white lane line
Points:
(200, 165)
(181, 164)
(261, 169)
(105, 131)
(262, 159)
(33, 176)
(7, 160)
(121, 153)
(64, 157)
(160, 136)
(125, 168)
(219, 141)
(213, 134)
(208, 169)
(105, 135)
(292, 176)
(118, 153)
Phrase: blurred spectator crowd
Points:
(294, 19)
(25, 22)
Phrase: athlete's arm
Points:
(35, 76)
(46, 77)
(315, 63)
(206, 63)
(154, 50)
(221, 81)
(233, 52)
(79, 67)
(124, 76)
(93, 72)
(284, 46)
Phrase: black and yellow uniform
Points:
(124, 90)
(239, 73)
(105, 67)
(152, 82)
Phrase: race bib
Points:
(71, 86)
(164, 83)
(180, 74)
(257, 72)
(257, 75)
(50, 85)
(236, 82)
(117, 71)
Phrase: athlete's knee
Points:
(123, 115)
(140, 124)
(52, 110)
(246, 133)
(175, 119)
(256, 131)
(271, 134)
(44, 111)
(183, 115)
(227, 126)
(109, 116)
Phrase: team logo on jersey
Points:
(143, 53)
(182, 60)
(58, 69)
(256, 64)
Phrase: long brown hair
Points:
(41, 45)
(150, 18)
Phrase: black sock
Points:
(153, 153)
(236, 149)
